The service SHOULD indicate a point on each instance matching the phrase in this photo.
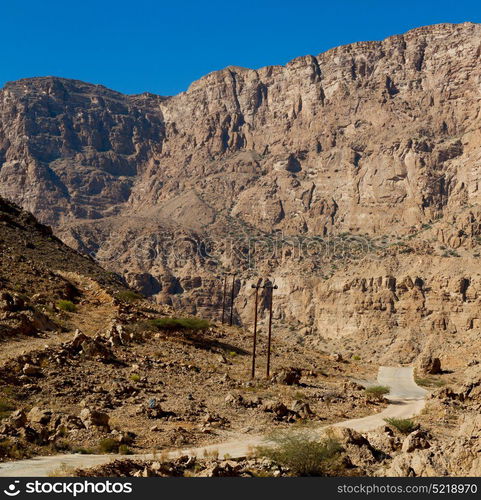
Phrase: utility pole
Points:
(223, 298)
(253, 371)
(232, 299)
(271, 288)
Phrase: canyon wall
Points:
(350, 178)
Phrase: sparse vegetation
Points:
(179, 323)
(66, 305)
(429, 382)
(299, 395)
(377, 392)
(62, 446)
(303, 454)
(109, 445)
(451, 253)
(11, 449)
(213, 454)
(135, 377)
(129, 296)
(63, 471)
(403, 425)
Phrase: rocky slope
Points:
(350, 178)
(442, 441)
(34, 274)
(86, 366)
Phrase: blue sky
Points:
(161, 47)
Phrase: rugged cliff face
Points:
(71, 150)
(351, 178)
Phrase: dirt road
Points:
(406, 400)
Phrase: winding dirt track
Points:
(406, 400)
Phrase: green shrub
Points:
(66, 305)
(356, 358)
(429, 382)
(135, 377)
(11, 449)
(404, 425)
(125, 450)
(129, 296)
(109, 445)
(179, 324)
(61, 445)
(450, 253)
(377, 392)
(303, 454)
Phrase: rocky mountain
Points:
(34, 274)
(88, 366)
(112, 373)
(349, 178)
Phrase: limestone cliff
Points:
(350, 177)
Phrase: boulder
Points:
(280, 411)
(428, 365)
(471, 388)
(38, 416)
(351, 386)
(302, 409)
(417, 440)
(72, 422)
(94, 418)
(420, 463)
(97, 349)
(358, 449)
(288, 376)
(234, 400)
(384, 440)
(31, 370)
(30, 435)
(348, 436)
(78, 339)
(117, 335)
(18, 419)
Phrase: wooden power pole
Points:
(271, 289)
(256, 304)
(223, 298)
(232, 299)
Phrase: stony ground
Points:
(84, 368)
(161, 389)
(442, 441)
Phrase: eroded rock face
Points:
(427, 365)
(457, 457)
(375, 139)
(73, 146)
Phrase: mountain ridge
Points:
(373, 140)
